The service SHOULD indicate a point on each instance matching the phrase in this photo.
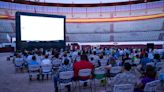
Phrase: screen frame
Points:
(19, 42)
(18, 21)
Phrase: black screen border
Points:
(19, 42)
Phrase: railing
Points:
(78, 10)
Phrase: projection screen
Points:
(40, 28)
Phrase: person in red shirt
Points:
(82, 64)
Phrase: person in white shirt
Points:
(65, 56)
(95, 57)
(46, 61)
(102, 61)
(126, 77)
(29, 57)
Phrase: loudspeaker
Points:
(150, 45)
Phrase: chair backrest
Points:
(151, 63)
(137, 62)
(94, 62)
(99, 71)
(151, 86)
(18, 62)
(162, 60)
(33, 67)
(66, 75)
(118, 62)
(103, 62)
(128, 61)
(115, 69)
(56, 62)
(85, 72)
(123, 88)
(159, 65)
(46, 68)
(78, 58)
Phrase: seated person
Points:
(18, 58)
(136, 60)
(29, 57)
(63, 68)
(46, 61)
(156, 58)
(18, 61)
(102, 61)
(126, 77)
(77, 58)
(93, 62)
(56, 61)
(66, 56)
(125, 57)
(113, 62)
(144, 61)
(33, 61)
(148, 76)
(82, 64)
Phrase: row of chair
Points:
(82, 73)
(34, 70)
(150, 87)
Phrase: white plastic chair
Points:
(77, 59)
(115, 70)
(151, 63)
(123, 88)
(151, 86)
(103, 62)
(128, 61)
(66, 75)
(137, 62)
(159, 65)
(100, 74)
(56, 63)
(46, 70)
(33, 70)
(94, 62)
(119, 62)
(19, 63)
(85, 73)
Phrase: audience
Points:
(56, 61)
(82, 64)
(145, 60)
(18, 61)
(77, 58)
(102, 61)
(33, 61)
(46, 61)
(65, 56)
(113, 62)
(72, 60)
(126, 77)
(29, 57)
(148, 76)
(125, 57)
(64, 68)
(18, 58)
